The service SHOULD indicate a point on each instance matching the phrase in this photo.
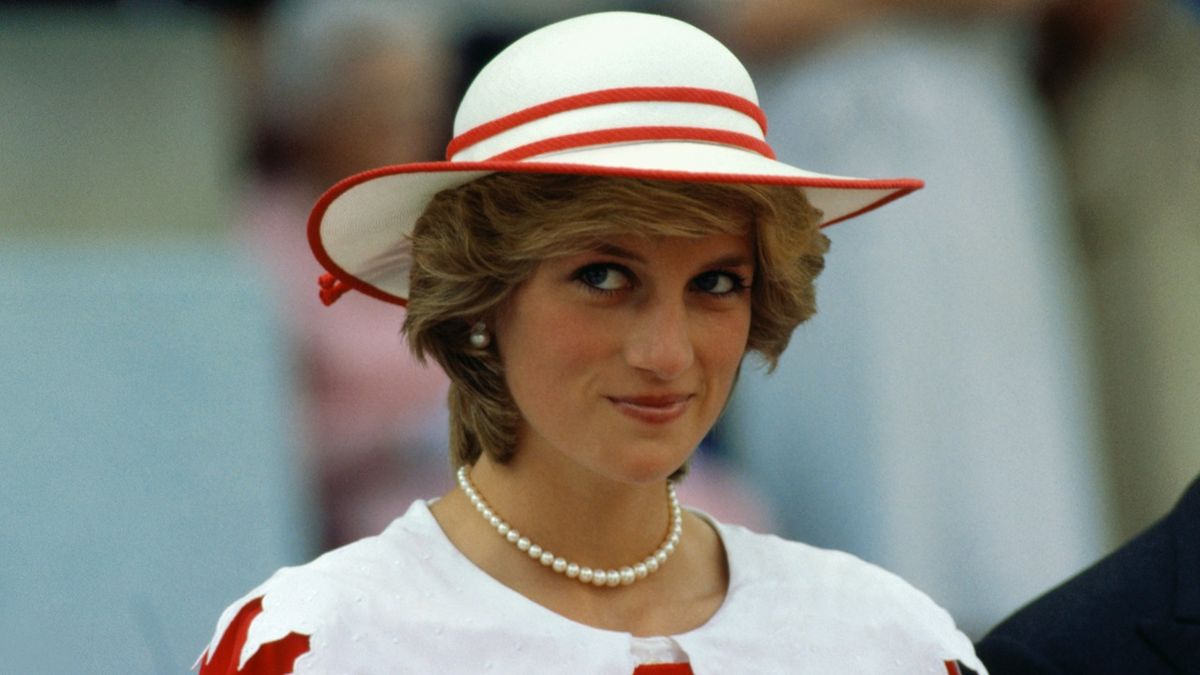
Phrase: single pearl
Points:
(667, 549)
(501, 526)
(614, 578)
(535, 551)
(585, 575)
(652, 564)
(641, 571)
(572, 569)
(560, 566)
(523, 543)
(660, 557)
(627, 576)
(480, 337)
(599, 578)
(513, 536)
(547, 558)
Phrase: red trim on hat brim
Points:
(902, 187)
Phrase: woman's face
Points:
(620, 358)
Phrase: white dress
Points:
(408, 601)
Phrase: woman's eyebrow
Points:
(735, 260)
(732, 260)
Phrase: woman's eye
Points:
(603, 277)
(718, 283)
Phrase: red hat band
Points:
(618, 115)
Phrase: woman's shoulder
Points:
(341, 587)
(813, 570)
(839, 598)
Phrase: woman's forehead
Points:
(645, 225)
(731, 248)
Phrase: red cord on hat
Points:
(332, 288)
(602, 97)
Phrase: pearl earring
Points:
(480, 337)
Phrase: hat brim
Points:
(358, 229)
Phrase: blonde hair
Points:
(475, 244)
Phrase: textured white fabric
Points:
(408, 601)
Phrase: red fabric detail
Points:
(625, 134)
(601, 97)
(332, 288)
(663, 669)
(952, 668)
(272, 658)
(900, 186)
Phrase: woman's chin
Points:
(646, 470)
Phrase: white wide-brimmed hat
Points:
(611, 94)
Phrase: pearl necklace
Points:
(622, 577)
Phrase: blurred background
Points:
(1000, 387)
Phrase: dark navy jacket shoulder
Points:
(1135, 612)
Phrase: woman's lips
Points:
(652, 409)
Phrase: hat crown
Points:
(599, 53)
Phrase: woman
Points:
(608, 238)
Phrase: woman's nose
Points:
(660, 342)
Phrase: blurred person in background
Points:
(936, 417)
(1124, 80)
(346, 87)
(142, 355)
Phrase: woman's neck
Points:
(585, 518)
(596, 523)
